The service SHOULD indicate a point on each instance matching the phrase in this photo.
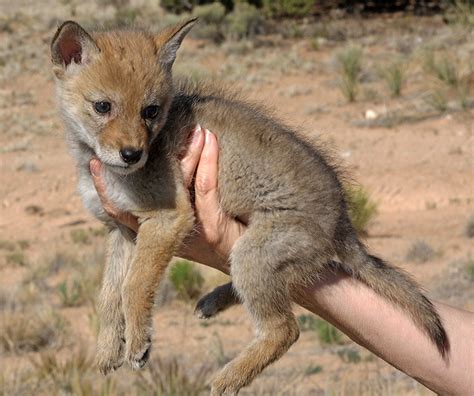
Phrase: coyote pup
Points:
(121, 104)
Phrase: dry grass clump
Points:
(470, 227)
(30, 330)
(83, 273)
(75, 375)
(15, 381)
(454, 284)
(460, 12)
(71, 293)
(15, 251)
(470, 269)
(394, 76)
(444, 68)
(349, 63)
(420, 252)
(81, 285)
(21, 297)
(170, 377)
(17, 258)
(80, 236)
(452, 79)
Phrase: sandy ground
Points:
(419, 173)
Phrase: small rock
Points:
(370, 114)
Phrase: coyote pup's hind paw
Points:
(226, 383)
(138, 354)
(110, 351)
(207, 307)
(218, 300)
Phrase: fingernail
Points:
(196, 133)
(208, 136)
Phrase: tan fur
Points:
(286, 188)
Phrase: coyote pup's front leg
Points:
(159, 237)
(110, 342)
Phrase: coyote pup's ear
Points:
(72, 45)
(169, 40)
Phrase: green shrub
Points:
(288, 8)
(361, 208)
(244, 21)
(326, 332)
(349, 355)
(211, 22)
(177, 6)
(213, 13)
(349, 63)
(306, 322)
(186, 279)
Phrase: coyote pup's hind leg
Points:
(110, 343)
(264, 261)
(159, 238)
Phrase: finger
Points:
(208, 210)
(95, 168)
(124, 218)
(206, 175)
(191, 158)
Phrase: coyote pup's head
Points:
(115, 89)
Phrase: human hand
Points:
(216, 231)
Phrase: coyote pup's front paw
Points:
(110, 350)
(138, 350)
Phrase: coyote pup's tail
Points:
(395, 285)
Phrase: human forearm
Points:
(388, 332)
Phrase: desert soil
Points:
(419, 173)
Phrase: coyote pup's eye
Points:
(102, 107)
(150, 112)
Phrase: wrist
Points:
(204, 254)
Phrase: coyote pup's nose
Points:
(130, 155)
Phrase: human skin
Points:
(355, 309)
